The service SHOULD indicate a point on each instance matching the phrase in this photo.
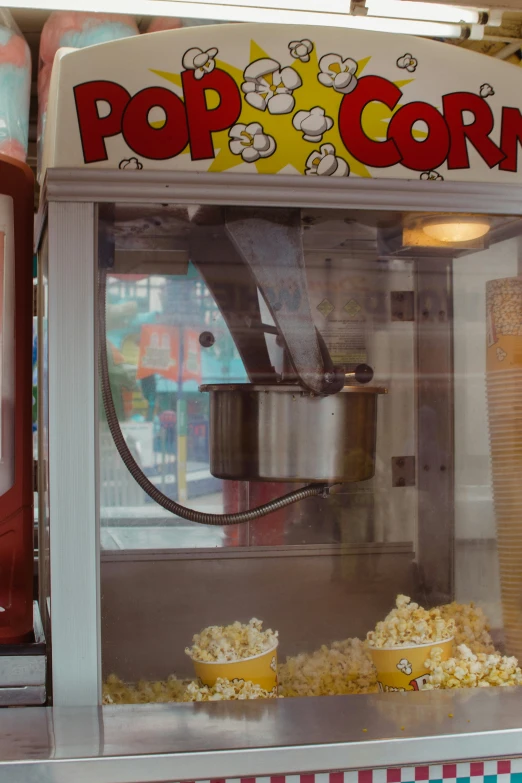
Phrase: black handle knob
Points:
(206, 339)
(363, 373)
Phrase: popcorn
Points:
(471, 626)
(115, 691)
(232, 642)
(343, 668)
(409, 624)
(504, 304)
(225, 690)
(173, 690)
(470, 670)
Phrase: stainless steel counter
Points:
(146, 743)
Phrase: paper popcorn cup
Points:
(503, 376)
(403, 668)
(502, 410)
(504, 399)
(503, 384)
(503, 326)
(515, 542)
(505, 353)
(260, 669)
(506, 454)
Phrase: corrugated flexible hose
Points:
(136, 472)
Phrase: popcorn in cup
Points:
(404, 668)
(260, 669)
(240, 651)
(403, 641)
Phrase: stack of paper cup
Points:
(504, 391)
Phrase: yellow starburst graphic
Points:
(291, 147)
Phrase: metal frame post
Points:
(73, 419)
(435, 429)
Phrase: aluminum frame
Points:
(72, 196)
(73, 408)
(435, 459)
(104, 185)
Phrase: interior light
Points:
(458, 229)
(434, 12)
(269, 11)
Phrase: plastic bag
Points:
(162, 23)
(74, 29)
(189, 22)
(15, 88)
(77, 29)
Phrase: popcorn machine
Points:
(279, 274)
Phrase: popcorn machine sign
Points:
(159, 352)
(261, 99)
(191, 356)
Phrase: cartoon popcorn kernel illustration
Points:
(130, 163)
(325, 163)
(200, 62)
(501, 354)
(486, 91)
(432, 175)
(273, 664)
(313, 124)
(300, 50)
(251, 142)
(407, 62)
(405, 666)
(268, 86)
(338, 73)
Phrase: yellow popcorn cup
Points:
(403, 668)
(505, 354)
(260, 669)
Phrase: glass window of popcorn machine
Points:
(305, 415)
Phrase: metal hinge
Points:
(402, 305)
(36, 474)
(403, 471)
